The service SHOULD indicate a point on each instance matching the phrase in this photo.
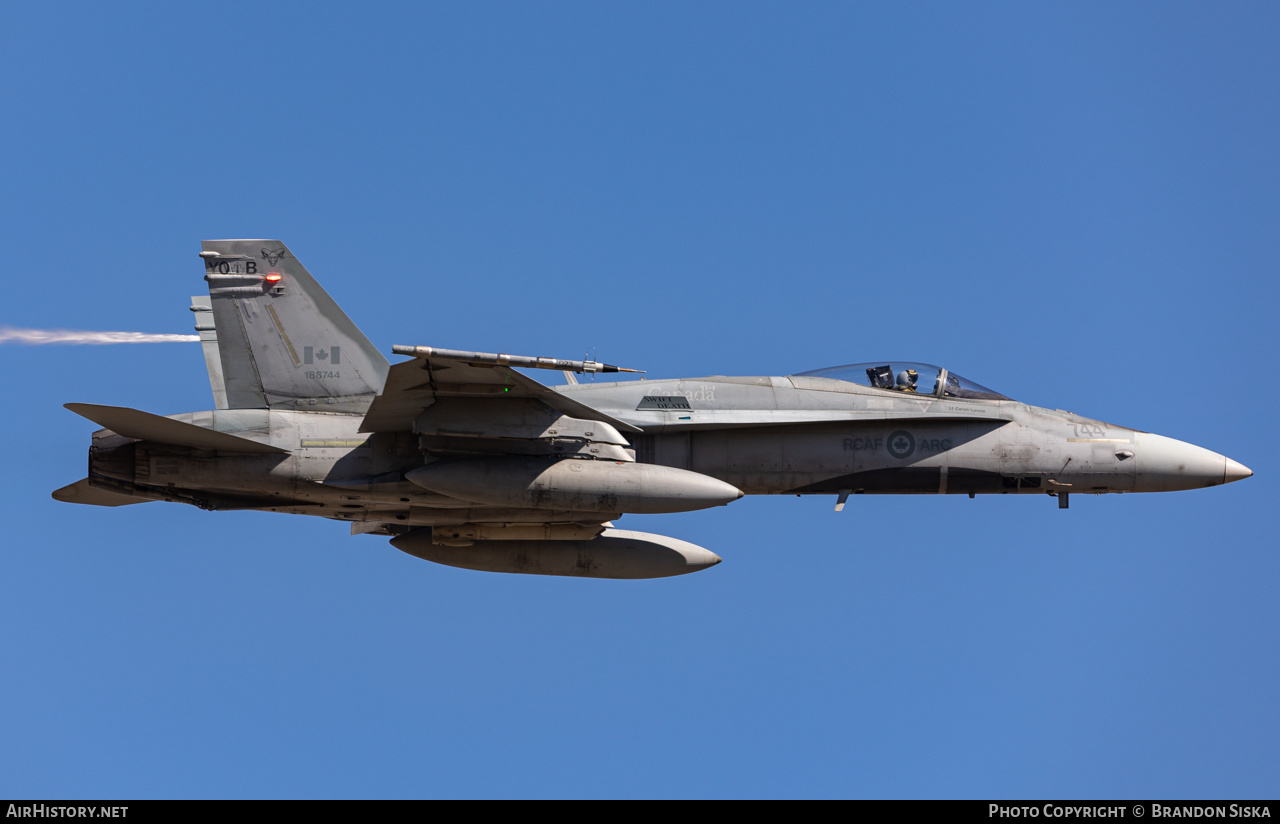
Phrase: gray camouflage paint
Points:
(455, 449)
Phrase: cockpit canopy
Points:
(903, 376)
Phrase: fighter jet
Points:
(465, 461)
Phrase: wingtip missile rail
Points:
(497, 359)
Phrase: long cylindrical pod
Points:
(502, 359)
(617, 553)
(585, 486)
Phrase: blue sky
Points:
(1074, 204)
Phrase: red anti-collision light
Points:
(274, 277)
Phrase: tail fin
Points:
(202, 305)
(282, 341)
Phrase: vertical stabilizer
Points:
(282, 341)
(202, 305)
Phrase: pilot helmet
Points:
(907, 377)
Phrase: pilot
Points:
(907, 380)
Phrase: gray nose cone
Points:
(1236, 471)
(1165, 464)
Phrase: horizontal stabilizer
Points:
(134, 423)
(81, 493)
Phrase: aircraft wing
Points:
(494, 428)
(415, 385)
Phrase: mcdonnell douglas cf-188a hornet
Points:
(467, 462)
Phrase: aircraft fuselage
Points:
(466, 461)
(1000, 447)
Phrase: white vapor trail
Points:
(8, 334)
